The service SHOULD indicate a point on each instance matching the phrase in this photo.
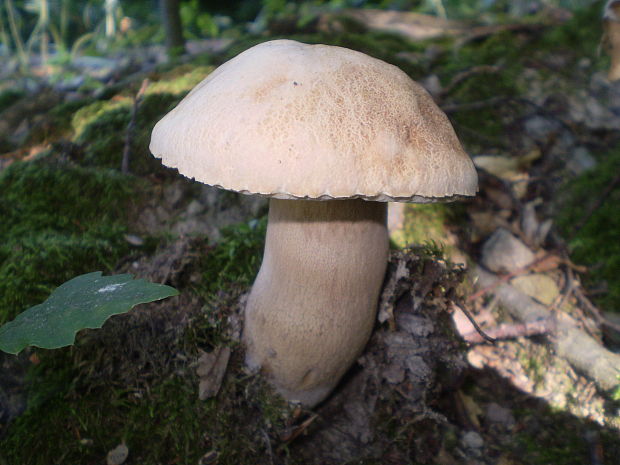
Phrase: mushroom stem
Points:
(313, 304)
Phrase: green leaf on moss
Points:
(85, 301)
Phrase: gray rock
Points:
(96, 67)
(580, 160)
(432, 84)
(70, 84)
(500, 415)
(586, 109)
(414, 325)
(472, 440)
(540, 128)
(394, 373)
(503, 252)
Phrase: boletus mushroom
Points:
(611, 37)
(330, 135)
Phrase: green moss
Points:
(428, 225)
(179, 80)
(58, 220)
(167, 424)
(101, 127)
(421, 223)
(580, 36)
(596, 244)
(226, 271)
(381, 45)
(548, 437)
(75, 415)
(236, 259)
(9, 96)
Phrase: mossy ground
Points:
(596, 243)
(76, 415)
(58, 220)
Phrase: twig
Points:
(268, 442)
(512, 331)
(128, 134)
(595, 312)
(583, 352)
(484, 336)
(464, 75)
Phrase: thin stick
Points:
(513, 331)
(478, 329)
(468, 73)
(136, 103)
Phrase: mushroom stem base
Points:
(313, 304)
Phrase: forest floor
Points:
(534, 259)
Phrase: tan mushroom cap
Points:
(290, 120)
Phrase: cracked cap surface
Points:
(290, 120)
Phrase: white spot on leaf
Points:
(110, 288)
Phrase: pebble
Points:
(503, 252)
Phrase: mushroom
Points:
(330, 135)
(611, 37)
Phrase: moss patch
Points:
(384, 46)
(58, 220)
(596, 244)
(101, 126)
(83, 402)
(9, 96)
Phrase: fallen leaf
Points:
(118, 455)
(211, 369)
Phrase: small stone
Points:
(540, 128)
(414, 325)
(503, 252)
(580, 160)
(394, 374)
(118, 455)
(497, 414)
(134, 239)
(538, 286)
(194, 208)
(432, 84)
(418, 368)
(472, 440)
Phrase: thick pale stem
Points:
(314, 301)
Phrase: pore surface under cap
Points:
(291, 120)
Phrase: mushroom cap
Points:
(290, 120)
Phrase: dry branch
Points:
(582, 351)
(512, 331)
